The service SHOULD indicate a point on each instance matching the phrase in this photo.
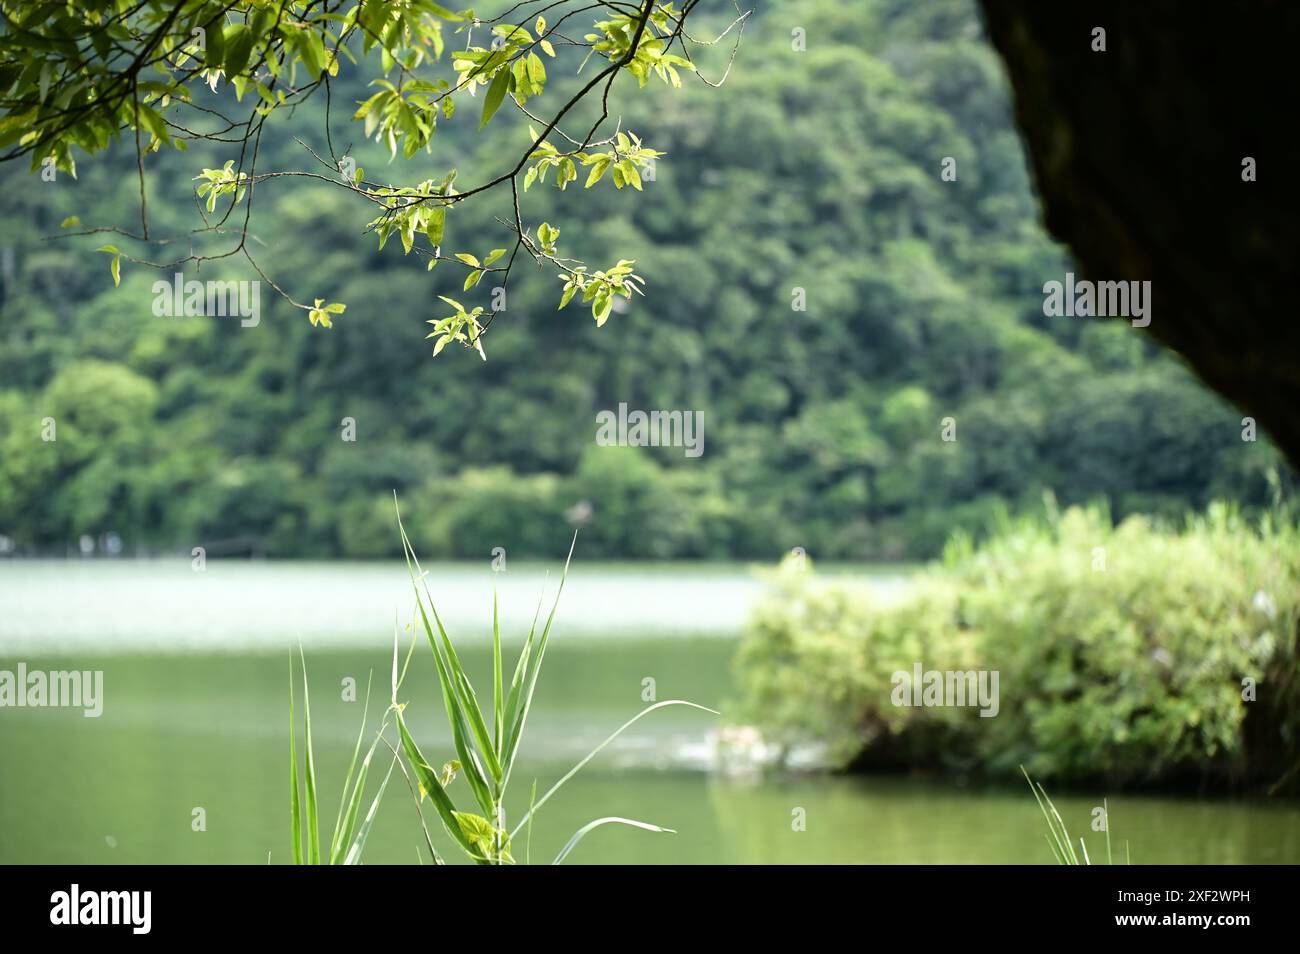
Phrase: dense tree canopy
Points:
(814, 285)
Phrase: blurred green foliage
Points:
(816, 169)
(1123, 652)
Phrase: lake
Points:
(196, 716)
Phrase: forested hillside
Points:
(812, 174)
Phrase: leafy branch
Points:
(78, 77)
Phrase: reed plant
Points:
(1058, 836)
(351, 829)
(488, 743)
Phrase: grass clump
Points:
(350, 828)
(1058, 836)
(487, 744)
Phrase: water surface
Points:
(195, 670)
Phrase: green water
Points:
(195, 717)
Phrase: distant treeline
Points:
(817, 290)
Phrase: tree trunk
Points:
(1138, 154)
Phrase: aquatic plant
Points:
(1058, 836)
(350, 832)
(488, 745)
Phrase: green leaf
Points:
(520, 699)
(312, 49)
(440, 11)
(344, 844)
(309, 770)
(523, 85)
(610, 820)
(153, 123)
(463, 700)
(428, 779)
(476, 828)
(239, 46)
(295, 809)
(536, 70)
(597, 172)
(115, 264)
(363, 832)
(461, 708)
(214, 44)
(435, 226)
(498, 696)
(495, 95)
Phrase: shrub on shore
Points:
(1135, 653)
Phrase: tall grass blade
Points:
(451, 699)
(313, 826)
(415, 798)
(295, 808)
(1058, 837)
(1061, 847)
(342, 839)
(1105, 812)
(459, 732)
(592, 754)
(498, 697)
(611, 820)
(1056, 852)
(350, 791)
(528, 846)
(346, 839)
(466, 695)
(432, 786)
(521, 716)
(399, 678)
(466, 698)
(353, 856)
(1065, 835)
(517, 683)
